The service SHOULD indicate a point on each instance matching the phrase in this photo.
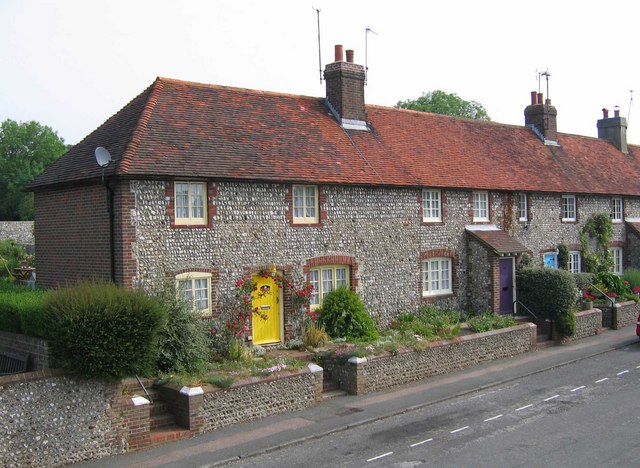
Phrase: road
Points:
(584, 414)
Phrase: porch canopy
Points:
(502, 244)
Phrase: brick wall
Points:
(37, 348)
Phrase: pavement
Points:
(341, 413)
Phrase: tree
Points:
(26, 149)
(440, 102)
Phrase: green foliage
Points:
(11, 254)
(440, 102)
(548, 292)
(430, 323)
(611, 283)
(218, 381)
(183, 343)
(26, 149)
(566, 324)
(314, 335)
(21, 310)
(599, 228)
(632, 275)
(490, 321)
(343, 315)
(563, 257)
(583, 280)
(101, 330)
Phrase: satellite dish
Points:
(103, 157)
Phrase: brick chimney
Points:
(542, 117)
(345, 91)
(613, 129)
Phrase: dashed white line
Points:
(637, 367)
(623, 372)
(420, 443)
(551, 398)
(458, 430)
(523, 407)
(493, 418)
(379, 456)
(602, 380)
(579, 388)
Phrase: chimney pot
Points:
(349, 56)
(338, 53)
(616, 111)
(539, 98)
(533, 98)
(605, 113)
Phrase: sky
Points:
(71, 64)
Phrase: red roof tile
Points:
(182, 129)
(499, 241)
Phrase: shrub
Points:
(610, 282)
(490, 321)
(315, 335)
(183, 343)
(101, 330)
(343, 315)
(11, 254)
(632, 275)
(21, 310)
(583, 280)
(440, 322)
(566, 324)
(548, 292)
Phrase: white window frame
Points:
(196, 203)
(437, 276)
(616, 253)
(305, 204)
(431, 206)
(523, 207)
(326, 278)
(617, 209)
(195, 280)
(480, 206)
(569, 208)
(575, 261)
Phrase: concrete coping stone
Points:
(191, 391)
(357, 360)
(139, 401)
(314, 368)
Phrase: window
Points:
(305, 204)
(575, 262)
(431, 206)
(522, 207)
(568, 207)
(325, 279)
(436, 276)
(195, 288)
(190, 203)
(616, 210)
(550, 260)
(480, 206)
(616, 253)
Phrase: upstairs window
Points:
(575, 262)
(195, 288)
(305, 204)
(569, 208)
(431, 206)
(480, 206)
(190, 203)
(616, 253)
(325, 279)
(436, 276)
(522, 207)
(616, 210)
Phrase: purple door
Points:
(506, 285)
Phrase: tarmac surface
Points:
(341, 413)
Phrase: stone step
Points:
(167, 434)
(333, 394)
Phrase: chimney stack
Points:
(542, 117)
(345, 90)
(613, 129)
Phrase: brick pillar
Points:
(188, 408)
(138, 422)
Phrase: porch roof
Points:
(498, 240)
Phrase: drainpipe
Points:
(112, 247)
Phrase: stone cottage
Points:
(209, 183)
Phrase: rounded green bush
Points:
(343, 315)
(101, 330)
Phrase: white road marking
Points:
(523, 407)
(623, 372)
(380, 456)
(420, 443)
(637, 367)
(602, 380)
(491, 419)
(579, 388)
(458, 430)
(551, 398)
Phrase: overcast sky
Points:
(70, 64)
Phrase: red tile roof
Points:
(182, 129)
(499, 241)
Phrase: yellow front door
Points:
(266, 322)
